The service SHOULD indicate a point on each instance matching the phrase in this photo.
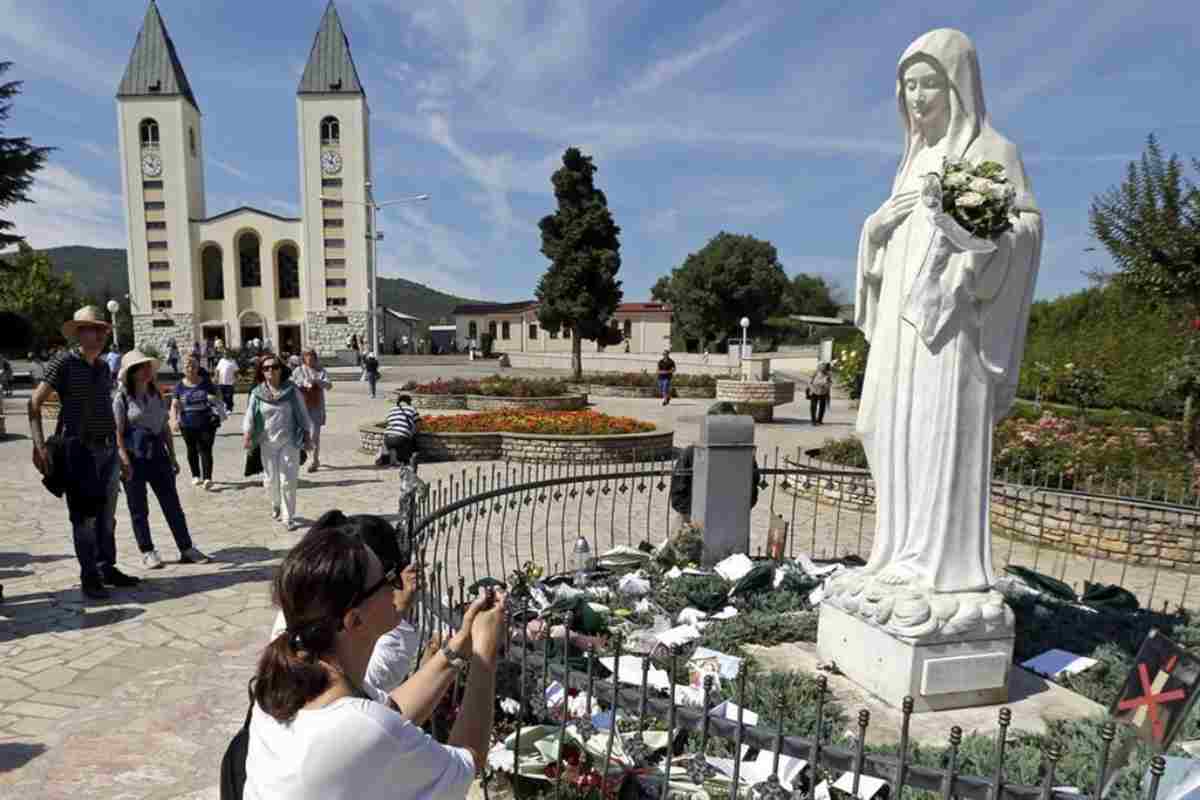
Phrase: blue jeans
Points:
(227, 396)
(372, 379)
(664, 387)
(95, 542)
(158, 473)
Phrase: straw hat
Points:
(134, 359)
(88, 316)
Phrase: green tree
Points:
(1150, 225)
(579, 291)
(661, 290)
(811, 294)
(733, 276)
(18, 161)
(31, 289)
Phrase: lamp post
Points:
(745, 323)
(374, 236)
(113, 307)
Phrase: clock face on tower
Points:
(151, 164)
(331, 162)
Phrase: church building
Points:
(245, 273)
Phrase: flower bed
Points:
(496, 392)
(533, 436)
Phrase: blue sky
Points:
(775, 119)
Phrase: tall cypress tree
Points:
(19, 159)
(579, 291)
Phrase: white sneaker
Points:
(276, 513)
(152, 560)
(196, 481)
(208, 484)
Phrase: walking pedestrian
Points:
(173, 357)
(666, 373)
(192, 410)
(818, 393)
(318, 730)
(6, 377)
(147, 452)
(227, 371)
(313, 382)
(113, 359)
(353, 345)
(84, 465)
(401, 428)
(277, 422)
(371, 369)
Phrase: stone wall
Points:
(604, 390)
(478, 402)
(182, 330)
(756, 398)
(656, 445)
(329, 339)
(1119, 530)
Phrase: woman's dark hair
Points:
(316, 584)
(259, 375)
(376, 532)
(130, 382)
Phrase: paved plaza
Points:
(136, 697)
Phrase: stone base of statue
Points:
(944, 650)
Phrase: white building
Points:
(245, 273)
(646, 327)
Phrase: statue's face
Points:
(926, 94)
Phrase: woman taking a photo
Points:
(314, 382)
(318, 730)
(278, 424)
(147, 452)
(192, 409)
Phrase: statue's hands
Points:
(897, 208)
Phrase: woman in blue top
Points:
(193, 412)
(147, 453)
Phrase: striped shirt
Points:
(402, 421)
(79, 384)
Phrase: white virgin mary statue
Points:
(946, 326)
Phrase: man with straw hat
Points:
(85, 467)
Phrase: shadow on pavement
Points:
(17, 754)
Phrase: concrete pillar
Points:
(721, 482)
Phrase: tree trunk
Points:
(576, 357)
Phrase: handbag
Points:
(807, 394)
(254, 465)
(233, 763)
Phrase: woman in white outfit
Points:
(277, 421)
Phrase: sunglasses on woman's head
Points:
(392, 576)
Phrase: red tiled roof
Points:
(627, 307)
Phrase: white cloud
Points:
(68, 209)
(224, 166)
(39, 43)
(667, 69)
(100, 151)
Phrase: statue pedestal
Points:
(950, 674)
(945, 651)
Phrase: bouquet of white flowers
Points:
(978, 197)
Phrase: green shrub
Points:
(848, 452)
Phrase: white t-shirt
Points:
(390, 661)
(227, 370)
(351, 749)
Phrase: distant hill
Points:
(103, 273)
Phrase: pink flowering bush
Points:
(1054, 451)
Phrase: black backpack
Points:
(233, 764)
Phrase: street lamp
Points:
(745, 323)
(374, 236)
(113, 307)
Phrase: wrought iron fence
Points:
(489, 521)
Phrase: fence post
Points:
(723, 470)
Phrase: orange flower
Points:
(557, 423)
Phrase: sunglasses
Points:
(392, 576)
(272, 367)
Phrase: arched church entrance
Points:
(252, 326)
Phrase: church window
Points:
(249, 259)
(335, 244)
(334, 223)
(337, 301)
(214, 281)
(335, 283)
(149, 133)
(156, 245)
(160, 225)
(331, 131)
(289, 271)
(159, 265)
(331, 183)
(161, 305)
(192, 140)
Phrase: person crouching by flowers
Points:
(278, 423)
(318, 729)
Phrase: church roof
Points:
(330, 67)
(154, 69)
